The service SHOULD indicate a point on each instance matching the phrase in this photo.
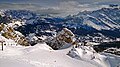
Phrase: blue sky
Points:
(62, 7)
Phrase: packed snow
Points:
(41, 55)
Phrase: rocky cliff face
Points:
(10, 33)
(63, 37)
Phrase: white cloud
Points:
(63, 8)
(74, 7)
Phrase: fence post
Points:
(2, 46)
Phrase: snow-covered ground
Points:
(87, 53)
(41, 55)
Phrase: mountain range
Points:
(105, 21)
